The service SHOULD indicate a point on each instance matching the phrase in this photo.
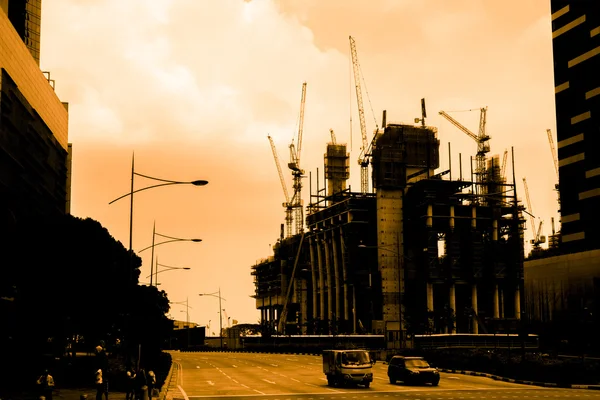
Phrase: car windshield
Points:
(417, 363)
(355, 358)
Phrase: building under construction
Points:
(419, 253)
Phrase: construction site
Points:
(415, 251)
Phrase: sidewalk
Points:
(63, 394)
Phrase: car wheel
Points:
(367, 384)
(330, 381)
(435, 383)
(392, 380)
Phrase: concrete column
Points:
(452, 301)
(336, 274)
(495, 230)
(496, 302)
(313, 273)
(344, 276)
(429, 215)
(321, 280)
(330, 288)
(474, 217)
(475, 310)
(429, 296)
(517, 303)
(501, 303)
(451, 222)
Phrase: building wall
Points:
(561, 284)
(576, 51)
(33, 135)
(22, 68)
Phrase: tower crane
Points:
(503, 167)
(363, 158)
(538, 238)
(333, 141)
(553, 151)
(288, 205)
(483, 146)
(297, 172)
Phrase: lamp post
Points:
(153, 245)
(187, 316)
(218, 295)
(167, 268)
(165, 182)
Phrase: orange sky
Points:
(194, 87)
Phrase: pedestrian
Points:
(151, 384)
(142, 384)
(130, 384)
(101, 385)
(45, 385)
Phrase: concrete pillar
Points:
(330, 286)
(429, 215)
(336, 274)
(501, 303)
(451, 222)
(313, 273)
(495, 230)
(452, 301)
(496, 302)
(517, 303)
(475, 310)
(344, 275)
(321, 280)
(474, 217)
(429, 296)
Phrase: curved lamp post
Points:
(164, 182)
(153, 245)
(218, 295)
(167, 268)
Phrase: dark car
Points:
(412, 370)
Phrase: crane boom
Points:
(458, 125)
(295, 150)
(552, 150)
(333, 141)
(504, 158)
(287, 204)
(531, 217)
(362, 158)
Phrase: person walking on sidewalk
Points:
(101, 385)
(46, 385)
(130, 384)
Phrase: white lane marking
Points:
(197, 366)
(383, 379)
(452, 377)
(185, 396)
(274, 365)
(268, 381)
(290, 359)
(245, 386)
(295, 380)
(211, 383)
(257, 391)
(235, 381)
(234, 366)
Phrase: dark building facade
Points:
(576, 51)
(26, 18)
(34, 150)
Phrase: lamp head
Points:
(199, 183)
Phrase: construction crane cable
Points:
(368, 97)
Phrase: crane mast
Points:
(483, 147)
(363, 159)
(552, 150)
(287, 204)
(333, 140)
(537, 238)
(297, 172)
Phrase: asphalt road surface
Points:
(285, 376)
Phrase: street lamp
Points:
(153, 245)
(167, 268)
(218, 295)
(165, 182)
(187, 316)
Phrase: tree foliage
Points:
(68, 276)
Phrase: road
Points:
(286, 376)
